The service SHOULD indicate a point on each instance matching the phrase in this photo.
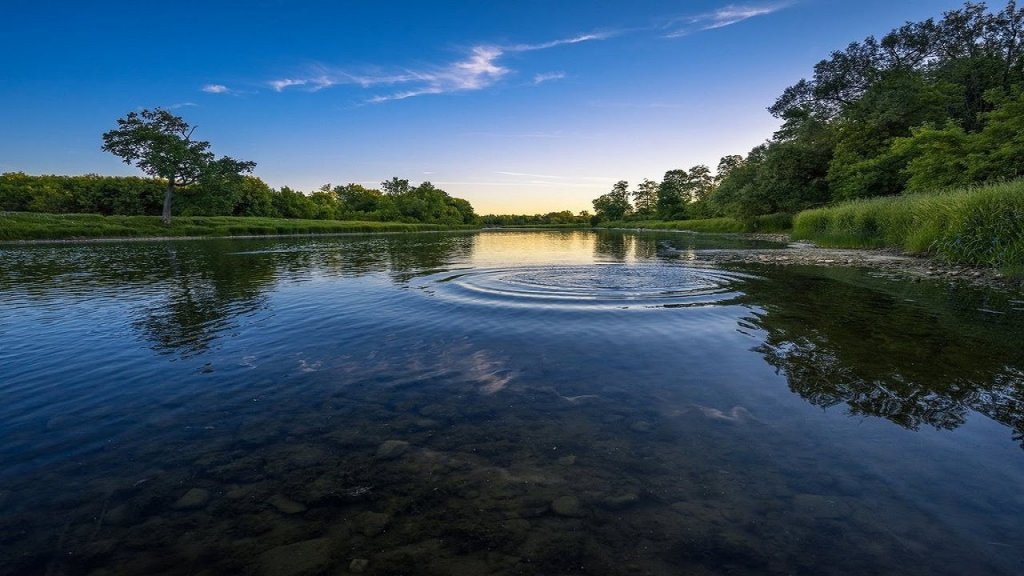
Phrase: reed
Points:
(978, 226)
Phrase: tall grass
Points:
(768, 223)
(34, 226)
(981, 226)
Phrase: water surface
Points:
(567, 402)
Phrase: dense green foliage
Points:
(976, 226)
(767, 223)
(929, 105)
(561, 219)
(219, 196)
(33, 226)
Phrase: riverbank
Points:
(766, 224)
(973, 227)
(885, 260)
(28, 226)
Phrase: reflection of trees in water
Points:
(205, 291)
(210, 288)
(411, 255)
(913, 363)
(197, 290)
(623, 246)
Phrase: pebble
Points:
(621, 501)
(301, 558)
(373, 523)
(194, 498)
(286, 505)
(358, 565)
(391, 449)
(568, 506)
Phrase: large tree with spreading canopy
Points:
(161, 145)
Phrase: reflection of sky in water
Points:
(243, 406)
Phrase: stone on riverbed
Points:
(391, 449)
(568, 506)
(194, 498)
(286, 505)
(299, 559)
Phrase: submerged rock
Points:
(620, 501)
(568, 506)
(299, 559)
(358, 565)
(391, 449)
(372, 523)
(194, 498)
(286, 505)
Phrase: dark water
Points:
(499, 403)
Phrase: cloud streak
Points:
(720, 18)
(481, 67)
(547, 77)
(215, 89)
(485, 65)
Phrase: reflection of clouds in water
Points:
(248, 362)
(737, 414)
(490, 372)
(306, 366)
(456, 364)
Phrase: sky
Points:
(522, 106)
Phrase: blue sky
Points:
(525, 106)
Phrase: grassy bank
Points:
(770, 223)
(981, 226)
(33, 226)
(537, 226)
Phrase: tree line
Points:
(188, 179)
(239, 195)
(563, 218)
(929, 105)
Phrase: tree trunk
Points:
(167, 201)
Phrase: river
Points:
(500, 402)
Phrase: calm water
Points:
(499, 403)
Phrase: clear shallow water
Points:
(499, 403)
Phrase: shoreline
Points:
(112, 239)
(795, 253)
(803, 253)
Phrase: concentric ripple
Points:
(588, 286)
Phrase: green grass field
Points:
(33, 226)
(980, 226)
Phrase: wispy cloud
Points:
(720, 18)
(547, 77)
(182, 105)
(216, 89)
(561, 42)
(480, 68)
